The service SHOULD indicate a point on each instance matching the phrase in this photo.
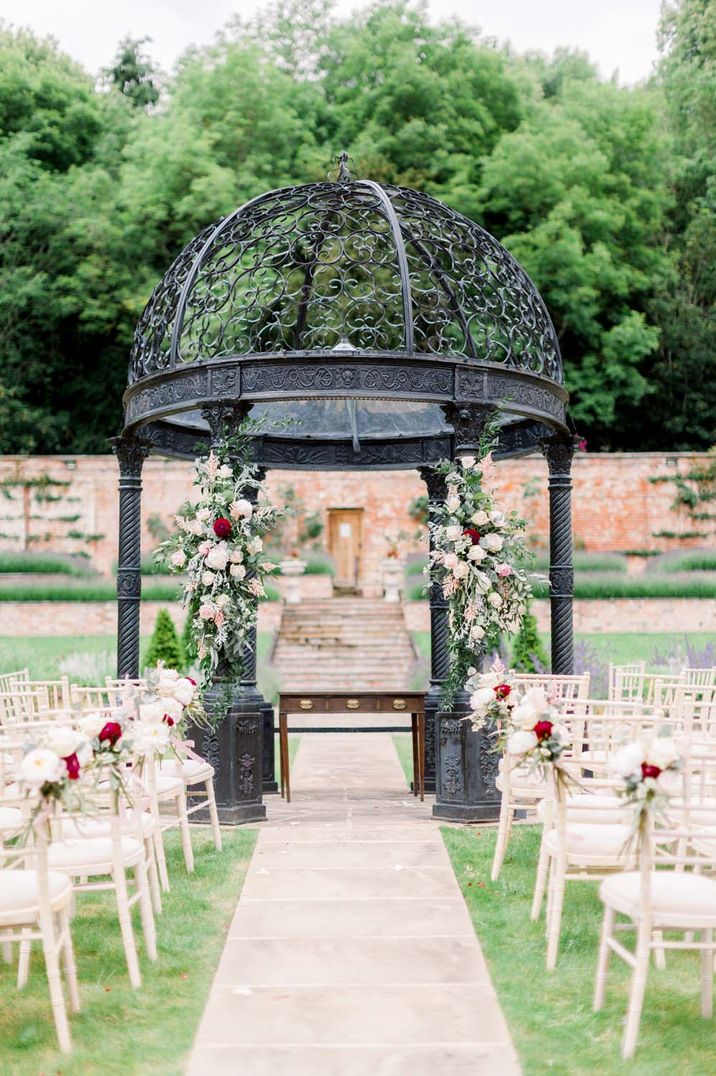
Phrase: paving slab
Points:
(351, 951)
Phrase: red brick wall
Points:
(616, 507)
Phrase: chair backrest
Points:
(699, 677)
(620, 680)
(24, 703)
(596, 737)
(92, 698)
(556, 686)
(695, 709)
(7, 680)
(56, 692)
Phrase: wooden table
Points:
(354, 702)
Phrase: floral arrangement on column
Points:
(219, 546)
(480, 560)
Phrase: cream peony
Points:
(218, 557)
(461, 570)
(225, 471)
(184, 691)
(662, 752)
(476, 554)
(477, 632)
(453, 504)
(453, 532)
(241, 509)
(451, 561)
(207, 579)
(203, 514)
(492, 543)
(64, 740)
(178, 559)
(482, 698)
(628, 759)
(479, 518)
(151, 713)
(92, 724)
(238, 571)
(236, 556)
(519, 743)
(173, 706)
(195, 527)
(150, 739)
(40, 766)
(497, 519)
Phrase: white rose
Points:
(223, 600)
(195, 527)
(207, 579)
(150, 739)
(479, 518)
(477, 632)
(536, 697)
(40, 766)
(184, 691)
(482, 582)
(451, 561)
(461, 570)
(497, 519)
(91, 725)
(482, 698)
(241, 509)
(203, 514)
(628, 759)
(468, 462)
(217, 558)
(519, 743)
(494, 599)
(255, 545)
(476, 554)
(236, 556)
(489, 679)
(173, 706)
(64, 740)
(206, 612)
(453, 532)
(178, 559)
(225, 471)
(662, 752)
(525, 715)
(492, 543)
(151, 713)
(453, 504)
(238, 571)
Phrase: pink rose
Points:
(503, 570)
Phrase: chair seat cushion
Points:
(77, 828)
(191, 770)
(678, 898)
(591, 808)
(168, 784)
(10, 820)
(19, 895)
(595, 844)
(91, 855)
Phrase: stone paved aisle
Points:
(351, 951)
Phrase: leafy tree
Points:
(133, 73)
(528, 654)
(164, 644)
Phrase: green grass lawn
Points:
(120, 1031)
(404, 748)
(550, 1013)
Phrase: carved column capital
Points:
(559, 453)
(468, 422)
(131, 453)
(435, 483)
(224, 418)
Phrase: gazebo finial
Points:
(344, 174)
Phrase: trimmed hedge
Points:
(43, 564)
(586, 586)
(152, 591)
(700, 560)
(588, 562)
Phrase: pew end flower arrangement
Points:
(647, 770)
(218, 546)
(538, 741)
(480, 560)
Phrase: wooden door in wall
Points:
(345, 541)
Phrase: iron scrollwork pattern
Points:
(350, 267)
(559, 452)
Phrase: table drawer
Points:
(390, 702)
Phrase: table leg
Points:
(285, 774)
(421, 755)
(414, 732)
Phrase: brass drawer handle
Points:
(306, 704)
(399, 704)
(352, 704)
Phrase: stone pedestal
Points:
(392, 578)
(291, 570)
(235, 750)
(465, 767)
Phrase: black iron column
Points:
(235, 747)
(465, 761)
(439, 632)
(559, 452)
(131, 453)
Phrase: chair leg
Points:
(125, 925)
(7, 952)
(161, 856)
(23, 963)
(145, 910)
(555, 914)
(185, 831)
(600, 983)
(540, 879)
(707, 977)
(213, 814)
(659, 951)
(502, 836)
(638, 988)
(57, 998)
(153, 876)
(68, 955)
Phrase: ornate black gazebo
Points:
(385, 327)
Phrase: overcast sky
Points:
(620, 35)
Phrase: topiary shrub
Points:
(164, 644)
(528, 654)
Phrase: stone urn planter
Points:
(392, 579)
(291, 570)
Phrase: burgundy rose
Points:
(191, 681)
(647, 770)
(472, 534)
(582, 444)
(72, 765)
(502, 691)
(111, 733)
(543, 730)
(222, 527)
(168, 720)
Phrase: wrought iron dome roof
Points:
(345, 290)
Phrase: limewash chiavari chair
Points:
(669, 893)
(699, 677)
(36, 904)
(166, 790)
(103, 862)
(56, 693)
(555, 686)
(620, 680)
(7, 680)
(94, 698)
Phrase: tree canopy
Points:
(606, 194)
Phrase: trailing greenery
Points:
(164, 644)
(120, 1030)
(550, 1015)
(43, 564)
(604, 193)
(528, 653)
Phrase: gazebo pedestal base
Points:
(466, 766)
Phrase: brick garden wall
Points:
(69, 504)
